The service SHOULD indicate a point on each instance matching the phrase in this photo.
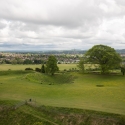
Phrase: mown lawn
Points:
(86, 91)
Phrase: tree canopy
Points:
(105, 56)
(51, 65)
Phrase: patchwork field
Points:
(84, 91)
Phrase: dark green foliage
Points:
(51, 65)
(38, 69)
(43, 69)
(27, 61)
(105, 56)
(123, 69)
(28, 69)
(37, 61)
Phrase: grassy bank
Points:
(31, 114)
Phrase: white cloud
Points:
(62, 24)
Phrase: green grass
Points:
(83, 92)
(4, 67)
(22, 67)
(50, 80)
(24, 115)
(30, 114)
(67, 66)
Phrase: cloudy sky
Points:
(61, 24)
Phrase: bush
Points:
(38, 69)
(28, 69)
(59, 62)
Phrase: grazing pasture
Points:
(86, 91)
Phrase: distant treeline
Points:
(121, 51)
(74, 51)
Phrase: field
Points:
(74, 90)
(5, 67)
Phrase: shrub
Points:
(28, 69)
(38, 69)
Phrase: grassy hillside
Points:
(73, 90)
(23, 115)
(30, 114)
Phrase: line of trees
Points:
(20, 61)
(104, 56)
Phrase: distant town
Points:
(40, 57)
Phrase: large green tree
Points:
(105, 56)
(51, 65)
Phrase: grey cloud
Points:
(62, 24)
(62, 15)
(2, 25)
(120, 2)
